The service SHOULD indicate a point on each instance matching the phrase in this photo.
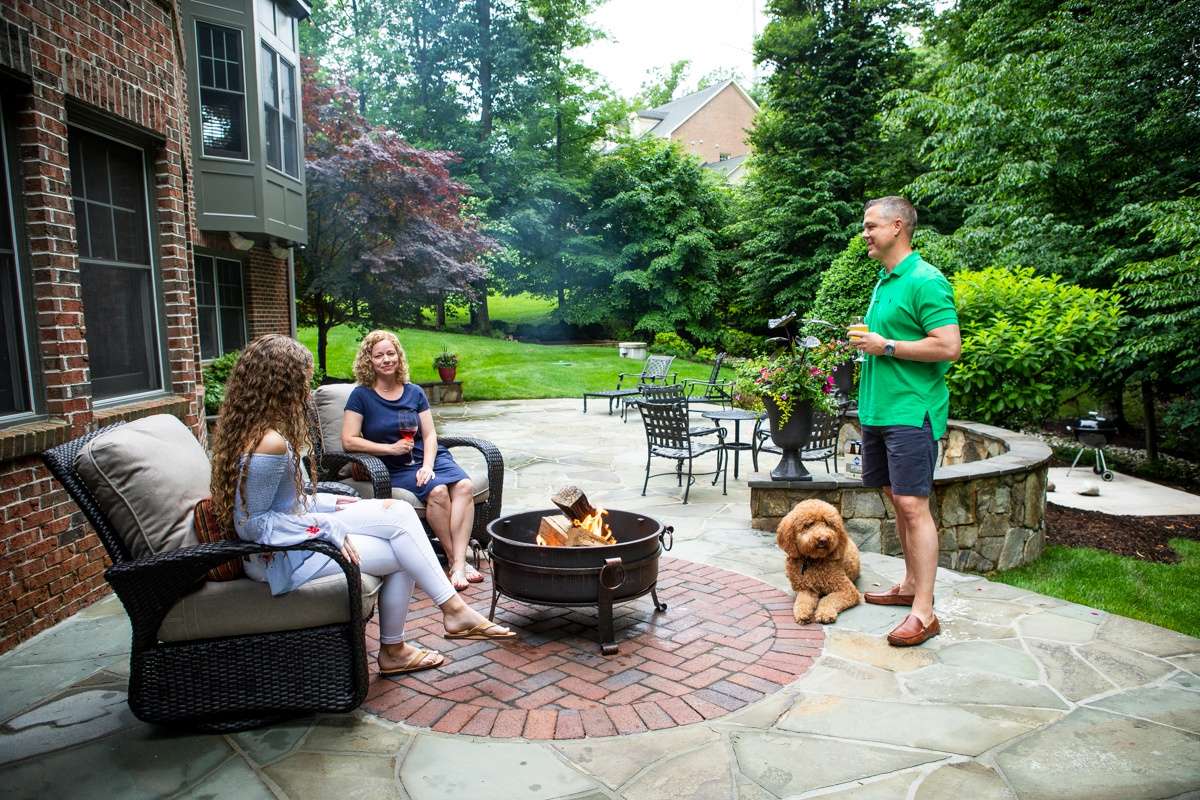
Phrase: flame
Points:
(595, 527)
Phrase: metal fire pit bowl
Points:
(578, 576)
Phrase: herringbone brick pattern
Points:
(725, 640)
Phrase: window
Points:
(278, 79)
(222, 91)
(108, 193)
(276, 21)
(14, 374)
(220, 305)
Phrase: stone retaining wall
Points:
(989, 501)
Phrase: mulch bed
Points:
(1139, 537)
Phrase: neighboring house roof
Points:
(677, 112)
(727, 167)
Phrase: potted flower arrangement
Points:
(446, 364)
(790, 385)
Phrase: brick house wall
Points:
(721, 126)
(121, 62)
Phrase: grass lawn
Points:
(1162, 594)
(493, 369)
(513, 309)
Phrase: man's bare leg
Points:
(907, 583)
(920, 541)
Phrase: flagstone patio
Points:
(1022, 696)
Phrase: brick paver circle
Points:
(725, 641)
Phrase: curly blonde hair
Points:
(267, 390)
(364, 372)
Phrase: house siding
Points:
(721, 126)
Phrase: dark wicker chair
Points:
(220, 684)
(668, 436)
(330, 462)
(822, 442)
(713, 390)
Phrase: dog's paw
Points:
(826, 617)
(802, 619)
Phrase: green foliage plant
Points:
(739, 343)
(790, 377)
(705, 354)
(445, 359)
(215, 374)
(671, 344)
(1026, 339)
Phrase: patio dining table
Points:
(736, 416)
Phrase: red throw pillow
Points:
(359, 472)
(209, 530)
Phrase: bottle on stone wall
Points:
(854, 456)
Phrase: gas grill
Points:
(1093, 432)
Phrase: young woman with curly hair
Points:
(383, 405)
(258, 489)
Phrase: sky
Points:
(644, 34)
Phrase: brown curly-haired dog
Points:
(822, 562)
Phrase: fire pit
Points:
(578, 576)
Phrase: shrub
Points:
(846, 286)
(740, 343)
(1026, 339)
(671, 344)
(215, 374)
(705, 354)
(1181, 425)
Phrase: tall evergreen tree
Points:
(816, 140)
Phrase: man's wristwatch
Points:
(889, 347)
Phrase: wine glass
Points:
(858, 325)
(408, 431)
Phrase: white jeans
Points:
(392, 545)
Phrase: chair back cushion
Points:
(243, 607)
(147, 477)
(330, 401)
(209, 530)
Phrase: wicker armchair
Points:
(213, 682)
(325, 422)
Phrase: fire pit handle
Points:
(613, 568)
(667, 537)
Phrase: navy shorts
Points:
(899, 456)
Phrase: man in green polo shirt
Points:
(903, 401)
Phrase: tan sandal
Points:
(484, 630)
(415, 663)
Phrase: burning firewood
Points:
(582, 526)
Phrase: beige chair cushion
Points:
(147, 476)
(245, 606)
(331, 403)
(479, 480)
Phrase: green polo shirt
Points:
(907, 303)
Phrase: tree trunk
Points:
(441, 313)
(481, 318)
(1151, 420)
(322, 331)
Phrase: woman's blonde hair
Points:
(364, 371)
(267, 390)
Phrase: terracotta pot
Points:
(447, 373)
(791, 439)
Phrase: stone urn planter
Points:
(447, 374)
(791, 439)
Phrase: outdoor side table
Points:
(736, 416)
(611, 394)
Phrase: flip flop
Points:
(473, 575)
(481, 631)
(415, 663)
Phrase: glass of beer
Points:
(858, 325)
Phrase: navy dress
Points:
(381, 423)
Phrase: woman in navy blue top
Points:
(389, 417)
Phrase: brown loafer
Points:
(891, 597)
(912, 631)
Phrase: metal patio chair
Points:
(668, 436)
(713, 390)
(822, 442)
